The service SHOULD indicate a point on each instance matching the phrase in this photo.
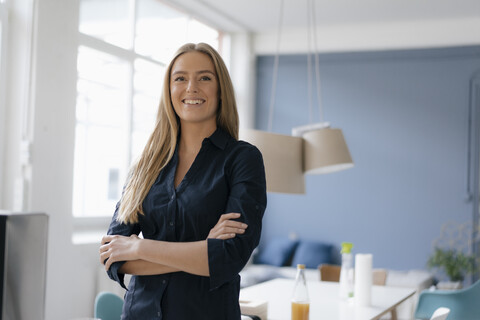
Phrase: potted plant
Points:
(455, 263)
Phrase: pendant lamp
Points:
(313, 148)
(325, 149)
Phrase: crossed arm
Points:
(149, 257)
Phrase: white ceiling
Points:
(263, 15)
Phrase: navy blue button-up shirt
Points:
(226, 176)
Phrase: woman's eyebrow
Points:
(197, 72)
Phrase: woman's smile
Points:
(193, 101)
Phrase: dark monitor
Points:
(23, 263)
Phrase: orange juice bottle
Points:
(300, 300)
(300, 311)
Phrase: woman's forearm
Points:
(145, 268)
(165, 257)
(191, 257)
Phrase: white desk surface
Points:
(324, 300)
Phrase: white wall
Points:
(242, 70)
(3, 80)
(16, 100)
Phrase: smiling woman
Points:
(197, 195)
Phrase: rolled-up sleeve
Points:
(118, 228)
(226, 258)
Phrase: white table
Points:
(324, 300)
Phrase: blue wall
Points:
(404, 115)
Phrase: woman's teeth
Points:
(193, 101)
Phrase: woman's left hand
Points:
(227, 228)
(118, 248)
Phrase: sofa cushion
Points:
(276, 252)
(312, 254)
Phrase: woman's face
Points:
(194, 89)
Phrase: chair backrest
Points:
(464, 304)
(379, 277)
(329, 272)
(108, 306)
(440, 314)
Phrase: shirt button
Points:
(173, 197)
(171, 223)
(164, 281)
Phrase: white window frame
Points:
(87, 229)
(129, 56)
(4, 13)
(90, 229)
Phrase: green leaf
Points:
(456, 264)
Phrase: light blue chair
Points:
(464, 304)
(108, 306)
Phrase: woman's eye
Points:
(205, 78)
(179, 79)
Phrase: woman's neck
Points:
(191, 137)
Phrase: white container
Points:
(346, 272)
(363, 280)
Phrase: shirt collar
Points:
(219, 138)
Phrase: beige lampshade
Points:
(325, 151)
(282, 156)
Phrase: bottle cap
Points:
(300, 266)
(346, 247)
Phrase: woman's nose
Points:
(192, 86)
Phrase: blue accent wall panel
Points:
(404, 115)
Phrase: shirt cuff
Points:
(215, 263)
(223, 262)
(115, 275)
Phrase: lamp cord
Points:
(312, 37)
(275, 69)
(309, 62)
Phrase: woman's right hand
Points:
(227, 228)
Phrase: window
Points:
(124, 46)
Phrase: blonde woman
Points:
(197, 195)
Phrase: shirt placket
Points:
(170, 236)
(172, 208)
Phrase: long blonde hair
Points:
(161, 145)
